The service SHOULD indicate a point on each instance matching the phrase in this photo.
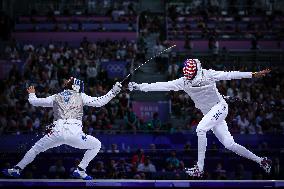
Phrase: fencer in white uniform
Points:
(67, 112)
(200, 85)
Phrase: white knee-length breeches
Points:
(215, 120)
(67, 132)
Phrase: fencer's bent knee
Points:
(97, 144)
(200, 132)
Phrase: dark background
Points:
(43, 41)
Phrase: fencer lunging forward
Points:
(200, 85)
(67, 113)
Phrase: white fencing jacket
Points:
(69, 103)
(202, 89)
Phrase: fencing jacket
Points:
(202, 89)
(69, 103)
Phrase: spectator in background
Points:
(99, 171)
(14, 72)
(243, 123)
(230, 91)
(98, 125)
(112, 170)
(92, 72)
(103, 76)
(147, 166)
(123, 103)
(153, 148)
(112, 108)
(122, 168)
(220, 173)
(159, 59)
(121, 52)
(131, 120)
(140, 176)
(155, 124)
(213, 45)
(90, 116)
(113, 149)
(173, 71)
(134, 170)
(188, 44)
(173, 160)
(215, 48)
(176, 104)
(138, 157)
(141, 47)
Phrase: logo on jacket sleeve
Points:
(84, 137)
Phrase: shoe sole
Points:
(88, 178)
(6, 173)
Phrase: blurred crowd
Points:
(216, 7)
(212, 23)
(256, 108)
(151, 164)
(47, 66)
(113, 8)
(256, 105)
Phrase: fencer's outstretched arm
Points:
(97, 101)
(174, 85)
(43, 102)
(102, 100)
(222, 75)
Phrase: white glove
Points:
(133, 86)
(116, 88)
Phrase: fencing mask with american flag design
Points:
(190, 68)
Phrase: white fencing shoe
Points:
(81, 174)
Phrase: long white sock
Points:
(242, 151)
(27, 159)
(88, 156)
(202, 143)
